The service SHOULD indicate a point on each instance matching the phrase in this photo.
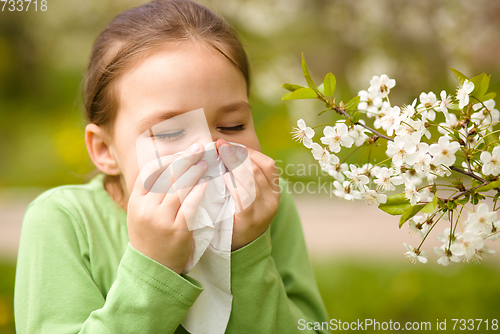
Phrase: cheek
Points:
(249, 139)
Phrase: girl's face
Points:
(162, 95)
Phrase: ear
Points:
(100, 150)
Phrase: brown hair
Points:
(139, 32)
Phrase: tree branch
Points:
(342, 112)
(456, 169)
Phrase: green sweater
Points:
(77, 273)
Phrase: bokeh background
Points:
(356, 250)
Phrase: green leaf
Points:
(292, 87)
(321, 89)
(353, 103)
(410, 212)
(489, 186)
(301, 93)
(395, 205)
(329, 83)
(459, 75)
(431, 206)
(307, 75)
(463, 200)
(355, 117)
(481, 85)
(489, 96)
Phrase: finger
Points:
(262, 185)
(183, 185)
(236, 160)
(186, 214)
(150, 173)
(267, 166)
(177, 167)
(242, 198)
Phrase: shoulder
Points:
(74, 202)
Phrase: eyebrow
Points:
(157, 117)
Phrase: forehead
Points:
(180, 76)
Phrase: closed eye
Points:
(231, 128)
(169, 135)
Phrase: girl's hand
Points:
(158, 220)
(253, 182)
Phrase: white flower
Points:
(303, 133)
(391, 120)
(495, 231)
(372, 197)
(411, 130)
(411, 193)
(337, 171)
(466, 244)
(381, 113)
(381, 85)
(482, 253)
(446, 256)
(423, 159)
(451, 122)
(481, 222)
(418, 224)
(429, 100)
(463, 92)
(444, 152)
(358, 134)
(322, 155)
(383, 179)
(401, 151)
(344, 190)
(445, 104)
(491, 161)
(409, 110)
(357, 178)
(427, 104)
(414, 255)
(370, 102)
(486, 112)
(336, 137)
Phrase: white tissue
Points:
(210, 259)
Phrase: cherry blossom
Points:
(369, 102)
(414, 255)
(337, 136)
(444, 152)
(372, 197)
(491, 161)
(445, 104)
(303, 133)
(401, 151)
(344, 190)
(481, 222)
(381, 85)
(463, 92)
(357, 178)
(467, 244)
(322, 155)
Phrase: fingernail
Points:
(241, 149)
(227, 150)
(201, 163)
(201, 181)
(196, 147)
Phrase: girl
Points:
(108, 256)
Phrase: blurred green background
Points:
(43, 56)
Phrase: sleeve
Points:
(55, 292)
(273, 284)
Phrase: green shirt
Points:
(77, 273)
